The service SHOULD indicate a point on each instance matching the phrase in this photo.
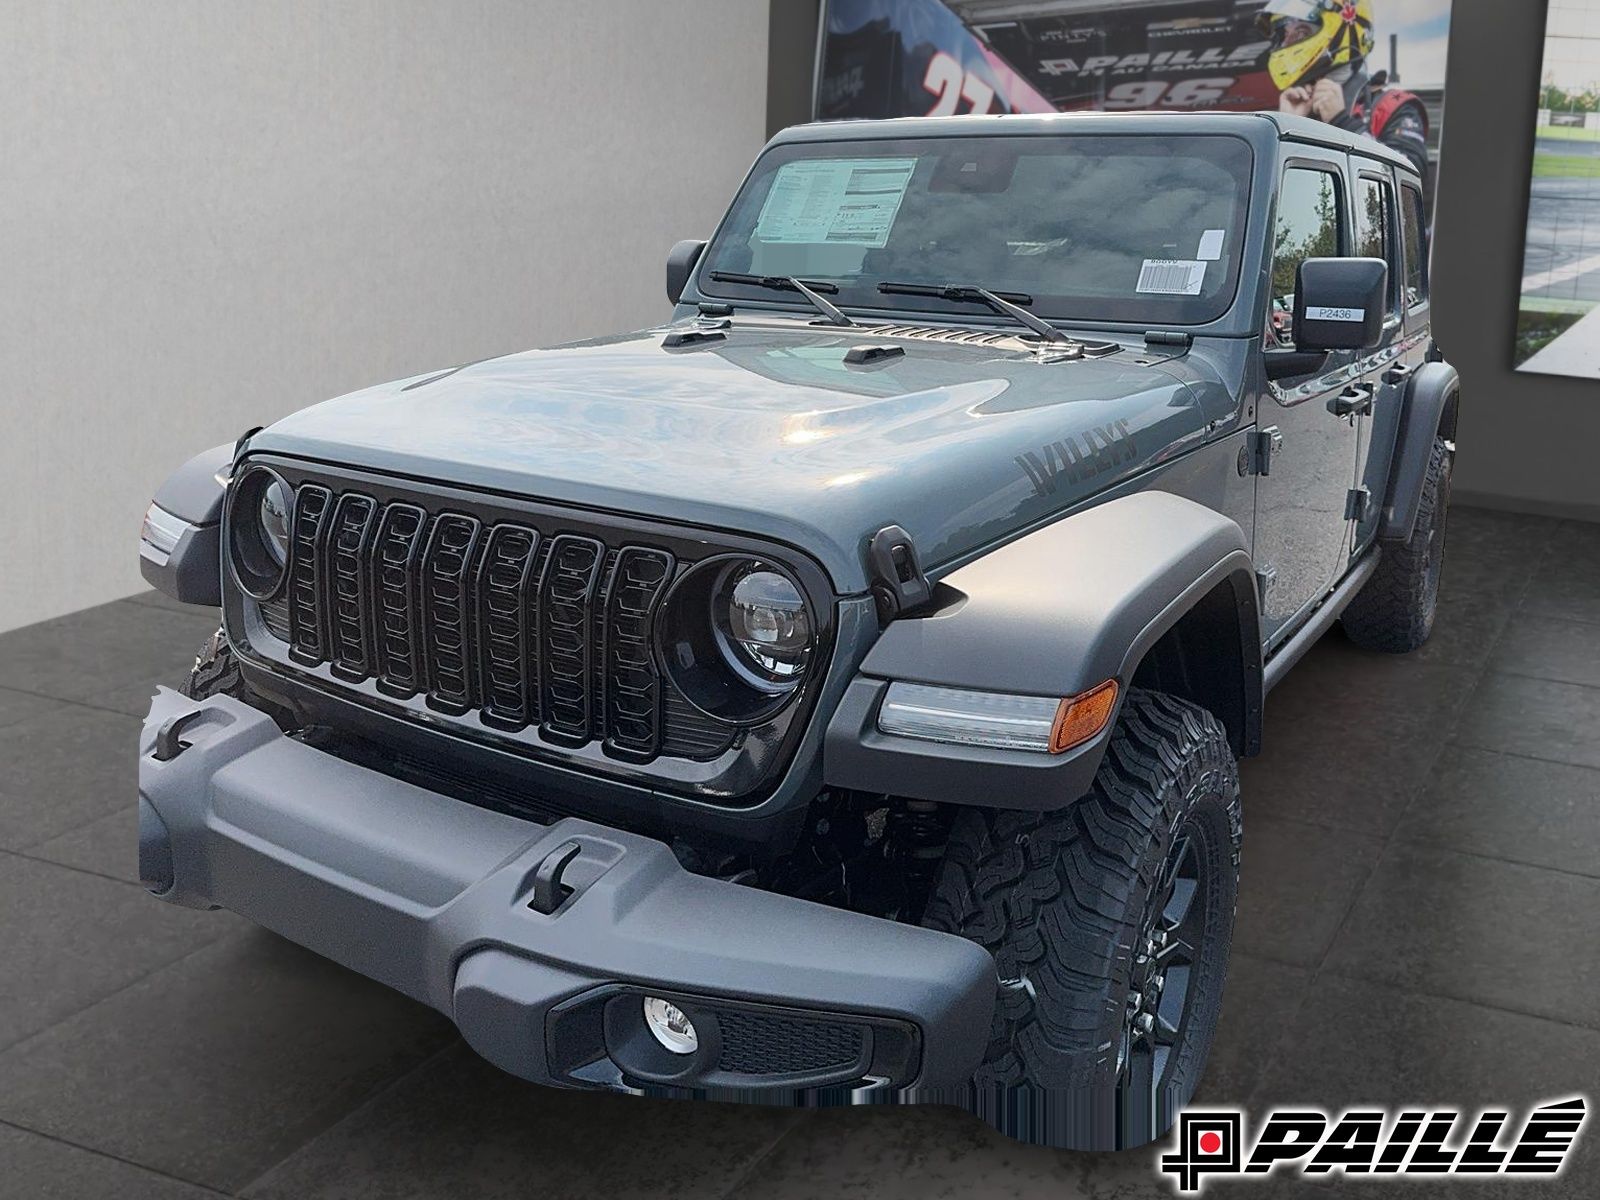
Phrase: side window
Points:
(1375, 230)
(1416, 247)
(1310, 225)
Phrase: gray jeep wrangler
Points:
(835, 691)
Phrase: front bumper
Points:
(442, 900)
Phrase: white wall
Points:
(212, 214)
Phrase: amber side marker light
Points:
(995, 720)
(1081, 717)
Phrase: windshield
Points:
(1132, 228)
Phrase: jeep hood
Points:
(768, 431)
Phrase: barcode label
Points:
(1172, 277)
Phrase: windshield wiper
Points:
(1000, 304)
(787, 283)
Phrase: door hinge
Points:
(898, 584)
(1357, 503)
(1255, 456)
(1265, 578)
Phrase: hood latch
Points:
(895, 571)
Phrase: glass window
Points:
(1310, 225)
(1375, 229)
(1088, 226)
(1416, 247)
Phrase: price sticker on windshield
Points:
(1171, 277)
(835, 201)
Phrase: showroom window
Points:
(1416, 247)
(1375, 229)
(1310, 225)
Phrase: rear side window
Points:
(1375, 229)
(1416, 247)
(1310, 224)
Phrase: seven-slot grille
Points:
(523, 626)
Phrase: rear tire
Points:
(1394, 612)
(1110, 921)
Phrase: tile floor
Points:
(1419, 922)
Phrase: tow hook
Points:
(169, 743)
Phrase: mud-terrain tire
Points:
(1394, 611)
(1071, 903)
(215, 671)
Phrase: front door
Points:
(1302, 518)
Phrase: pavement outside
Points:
(1417, 925)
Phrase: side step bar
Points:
(1319, 622)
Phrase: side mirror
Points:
(1339, 303)
(680, 265)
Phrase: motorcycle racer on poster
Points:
(1319, 64)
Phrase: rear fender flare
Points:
(1430, 411)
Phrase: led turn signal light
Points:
(1081, 717)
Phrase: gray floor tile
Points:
(1296, 884)
(217, 1067)
(108, 846)
(69, 939)
(1550, 648)
(460, 1127)
(134, 699)
(20, 706)
(64, 769)
(1491, 932)
(88, 653)
(1568, 582)
(1364, 1044)
(1542, 813)
(1534, 717)
(1258, 1007)
(42, 1169)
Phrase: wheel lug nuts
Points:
(1144, 1023)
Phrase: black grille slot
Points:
(503, 623)
(633, 686)
(307, 633)
(757, 1044)
(566, 602)
(394, 590)
(447, 612)
(349, 614)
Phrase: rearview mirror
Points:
(680, 265)
(1339, 303)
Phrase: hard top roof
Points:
(1248, 125)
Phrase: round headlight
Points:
(767, 622)
(275, 504)
(260, 507)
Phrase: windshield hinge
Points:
(1168, 337)
(895, 574)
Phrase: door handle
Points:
(1352, 401)
(1397, 374)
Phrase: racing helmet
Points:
(1332, 33)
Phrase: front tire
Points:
(215, 671)
(1110, 921)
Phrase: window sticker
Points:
(1171, 277)
(843, 201)
(1211, 245)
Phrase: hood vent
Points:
(994, 339)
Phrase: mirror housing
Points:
(1340, 303)
(681, 262)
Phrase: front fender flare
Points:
(1052, 614)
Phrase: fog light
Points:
(670, 1025)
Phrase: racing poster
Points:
(1376, 66)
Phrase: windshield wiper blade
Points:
(1000, 304)
(788, 283)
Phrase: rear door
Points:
(1302, 531)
